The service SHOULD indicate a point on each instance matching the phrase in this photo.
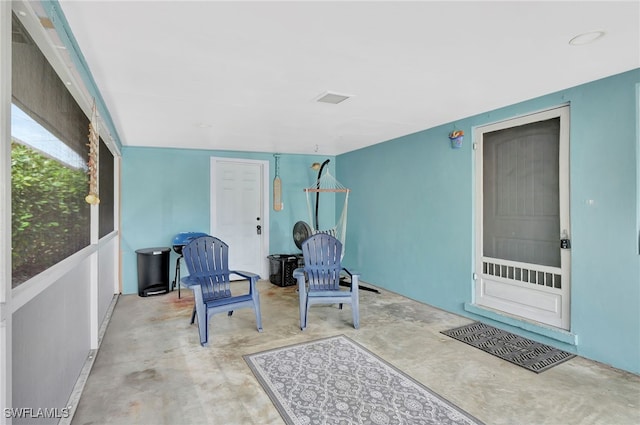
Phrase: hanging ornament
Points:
(94, 138)
(277, 187)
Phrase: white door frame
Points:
(499, 292)
(6, 312)
(264, 248)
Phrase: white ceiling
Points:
(245, 76)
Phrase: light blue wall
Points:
(411, 216)
(410, 226)
(411, 209)
(166, 191)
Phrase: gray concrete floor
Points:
(151, 369)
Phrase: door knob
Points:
(565, 242)
(259, 229)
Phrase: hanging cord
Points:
(341, 226)
(318, 193)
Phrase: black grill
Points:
(181, 240)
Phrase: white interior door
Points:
(238, 213)
(522, 217)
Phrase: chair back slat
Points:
(322, 254)
(207, 259)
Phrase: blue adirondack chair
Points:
(319, 280)
(207, 260)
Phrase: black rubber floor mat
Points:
(523, 352)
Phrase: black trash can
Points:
(153, 271)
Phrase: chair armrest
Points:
(350, 273)
(189, 281)
(298, 272)
(246, 275)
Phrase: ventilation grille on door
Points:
(522, 272)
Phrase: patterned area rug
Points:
(523, 352)
(337, 381)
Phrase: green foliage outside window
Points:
(50, 219)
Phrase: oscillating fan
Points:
(301, 231)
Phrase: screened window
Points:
(105, 184)
(521, 208)
(50, 219)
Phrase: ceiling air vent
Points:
(334, 98)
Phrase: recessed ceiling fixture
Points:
(586, 38)
(334, 98)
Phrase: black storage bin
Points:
(282, 267)
(153, 271)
